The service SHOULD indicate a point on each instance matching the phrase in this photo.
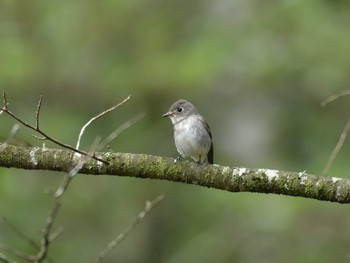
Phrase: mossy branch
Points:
(232, 179)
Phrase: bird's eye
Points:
(180, 109)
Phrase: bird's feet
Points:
(178, 158)
(198, 163)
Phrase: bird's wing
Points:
(211, 151)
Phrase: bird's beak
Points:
(169, 113)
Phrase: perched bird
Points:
(191, 132)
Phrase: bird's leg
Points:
(178, 158)
(199, 161)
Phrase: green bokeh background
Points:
(257, 70)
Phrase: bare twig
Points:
(55, 234)
(13, 132)
(38, 112)
(45, 238)
(337, 148)
(15, 252)
(126, 232)
(97, 117)
(4, 258)
(7, 111)
(39, 138)
(16, 230)
(81, 157)
(67, 179)
(11, 136)
(4, 101)
(120, 129)
(343, 135)
(334, 97)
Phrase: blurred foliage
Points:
(257, 70)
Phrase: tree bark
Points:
(232, 179)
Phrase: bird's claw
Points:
(178, 158)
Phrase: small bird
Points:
(191, 132)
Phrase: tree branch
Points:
(232, 179)
(148, 207)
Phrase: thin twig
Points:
(337, 148)
(16, 252)
(126, 232)
(38, 112)
(343, 135)
(334, 97)
(120, 129)
(45, 238)
(55, 234)
(97, 117)
(4, 101)
(40, 138)
(12, 134)
(7, 111)
(16, 230)
(5, 259)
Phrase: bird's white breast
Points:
(191, 138)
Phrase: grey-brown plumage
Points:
(191, 132)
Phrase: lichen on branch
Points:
(232, 179)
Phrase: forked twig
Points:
(133, 224)
(46, 136)
(97, 117)
(16, 230)
(18, 253)
(38, 130)
(15, 252)
(47, 236)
